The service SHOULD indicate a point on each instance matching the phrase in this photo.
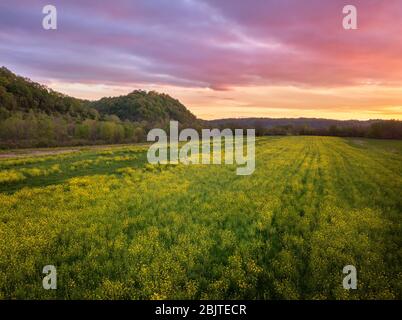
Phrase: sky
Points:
(220, 58)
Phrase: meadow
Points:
(117, 227)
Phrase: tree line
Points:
(38, 129)
(381, 129)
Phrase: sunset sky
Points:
(220, 58)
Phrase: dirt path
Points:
(35, 153)
(46, 152)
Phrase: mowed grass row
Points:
(118, 228)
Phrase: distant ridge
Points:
(316, 123)
(383, 129)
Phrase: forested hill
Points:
(32, 115)
(22, 94)
(145, 106)
(18, 93)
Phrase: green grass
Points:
(116, 227)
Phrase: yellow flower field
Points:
(116, 227)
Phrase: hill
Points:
(21, 94)
(150, 106)
(33, 115)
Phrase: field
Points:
(116, 227)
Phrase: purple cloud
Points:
(210, 43)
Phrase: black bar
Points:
(208, 309)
